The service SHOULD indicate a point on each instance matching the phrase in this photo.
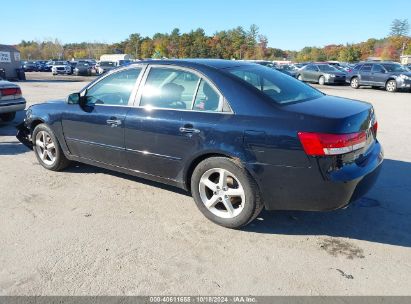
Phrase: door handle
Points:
(189, 130)
(114, 122)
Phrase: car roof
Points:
(214, 63)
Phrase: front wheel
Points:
(225, 192)
(391, 86)
(47, 149)
(8, 116)
(300, 78)
(321, 80)
(355, 83)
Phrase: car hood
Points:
(400, 73)
(60, 66)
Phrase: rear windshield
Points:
(280, 88)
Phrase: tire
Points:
(300, 78)
(321, 80)
(244, 208)
(391, 86)
(7, 117)
(355, 83)
(43, 134)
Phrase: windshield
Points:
(392, 67)
(59, 63)
(280, 88)
(107, 63)
(327, 68)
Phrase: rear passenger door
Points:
(378, 75)
(174, 117)
(365, 74)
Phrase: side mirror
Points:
(74, 98)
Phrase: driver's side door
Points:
(95, 129)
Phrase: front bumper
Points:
(24, 135)
(335, 80)
(403, 83)
(10, 106)
(311, 189)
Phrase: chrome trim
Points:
(94, 143)
(154, 154)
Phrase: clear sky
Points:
(290, 24)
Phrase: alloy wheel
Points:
(354, 83)
(45, 148)
(391, 86)
(222, 193)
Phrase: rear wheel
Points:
(8, 116)
(321, 80)
(355, 83)
(225, 192)
(48, 150)
(391, 86)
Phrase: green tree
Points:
(399, 27)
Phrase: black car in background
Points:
(82, 68)
(287, 69)
(321, 73)
(29, 66)
(239, 136)
(389, 75)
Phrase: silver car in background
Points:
(11, 100)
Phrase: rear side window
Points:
(169, 88)
(366, 68)
(173, 88)
(279, 87)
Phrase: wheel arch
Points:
(188, 172)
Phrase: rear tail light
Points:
(375, 128)
(321, 144)
(10, 91)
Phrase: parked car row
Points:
(391, 76)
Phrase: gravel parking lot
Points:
(88, 231)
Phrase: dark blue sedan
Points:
(240, 136)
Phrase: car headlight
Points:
(404, 77)
(331, 75)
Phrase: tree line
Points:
(236, 43)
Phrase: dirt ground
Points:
(88, 231)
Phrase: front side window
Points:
(377, 69)
(115, 89)
(357, 67)
(279, 87)
(394, 67)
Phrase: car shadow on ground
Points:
(382, 216)
(78, 168)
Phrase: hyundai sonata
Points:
(239, 136)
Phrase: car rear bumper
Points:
(310, 189)
(10, 106)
